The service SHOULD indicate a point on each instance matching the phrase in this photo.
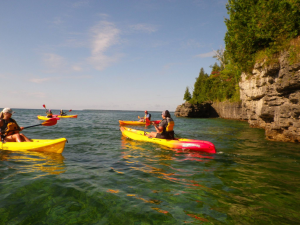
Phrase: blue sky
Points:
(106, 54)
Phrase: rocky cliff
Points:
(270, 99)
(226, 110)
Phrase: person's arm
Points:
(158, 128)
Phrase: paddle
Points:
(148, 122)
(45, 107)
(50, 122)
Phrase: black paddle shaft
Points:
(33, 126)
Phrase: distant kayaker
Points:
(62, 113)
(10, 129)
(147, 116)
(49, 113)
(164, 129)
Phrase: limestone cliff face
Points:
(270, 99)
(271, 96)
(226, 110)
(199, 110)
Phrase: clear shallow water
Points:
(104, 178)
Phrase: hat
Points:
(8, 110)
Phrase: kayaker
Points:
(62, 113)
(147, 115)
(164, 129)
(10, 129)
(49, 114)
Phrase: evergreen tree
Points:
(199, 94)
(255, 25)
(187, 95)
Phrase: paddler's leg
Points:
(151, 134)
(17, 138)
(25, 138)
(13, 138)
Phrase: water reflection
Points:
(29, 162)
(165, 163)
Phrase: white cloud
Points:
(206, 55)
(193, 43)
(104, 36)
(39, 80)
(54, 61)
(57, 21)
(76, 68)
(148, 28)
(42, 80)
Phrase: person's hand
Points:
(21, 128)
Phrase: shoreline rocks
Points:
(270, 99)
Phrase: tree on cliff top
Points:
(200, 88)
(254, 25)
(187, 95)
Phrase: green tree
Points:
(187, 95)
(199, 94)
(255, 25)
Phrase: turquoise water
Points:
(104, 178)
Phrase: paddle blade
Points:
(50, 122)
(139, 117)
(70, 110)
(44, 106)
(147, 122)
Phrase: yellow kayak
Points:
(124, 122)
(67, 116)
(45, 117)
(180, 143)
(55, 116)
(40, 145)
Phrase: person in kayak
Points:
(49, 114)
(147, 116)
(62, 113)
(164, 129)
(9, 129)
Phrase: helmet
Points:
(146, 111)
